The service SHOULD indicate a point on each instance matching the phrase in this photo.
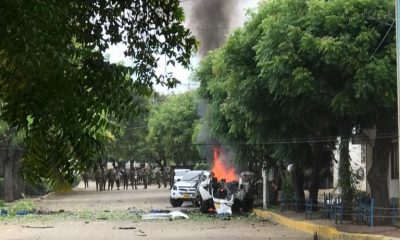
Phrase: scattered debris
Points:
(156, 216)
(165, 216)
(86, 222)
(126, 228)
(3, 212)
(158, 211)
(28, 226)
(22, 212)
(101, 218)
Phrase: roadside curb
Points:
(324, 232)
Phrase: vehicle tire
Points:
(248, 204)
(176, 202)
(237, 205)
(205, 205)
(196, 202)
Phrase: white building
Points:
(361, 162)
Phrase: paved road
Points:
(88, 199)
(81, 198)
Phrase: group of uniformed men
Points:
(122, 178)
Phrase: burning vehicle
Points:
(185, 189)
(223, 191)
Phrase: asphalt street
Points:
(116, 201)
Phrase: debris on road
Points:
(3, 212)
(165, 216)
(22, 212)
(159, 211)
(126, 228)
(28, 226)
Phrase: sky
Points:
(237, 10)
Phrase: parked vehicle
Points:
(185, 189)
(226, 197)
(178, 174)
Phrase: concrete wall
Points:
(358, 155)
(393, 183)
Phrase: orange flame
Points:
(220, 170)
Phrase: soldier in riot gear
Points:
(97, 178)
(158, 178)
(133, 177)
(125, 177)
(85, 177)
(111, 178)
(165, 177)
(118, 178)
(145, 177)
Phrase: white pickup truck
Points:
(185, 189)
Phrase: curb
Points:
(323, 231)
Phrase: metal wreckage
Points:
(222, 197)
(223, 191)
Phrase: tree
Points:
(308, 70)
(130, 136)
(10, 154)
(171, 126)
(52, 71)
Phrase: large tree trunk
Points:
(378, 174)
(298, 186)
(18, 183)
(315, 169)
(8, 175)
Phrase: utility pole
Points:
(265, 176)
(398, 84)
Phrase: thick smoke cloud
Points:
(211, 21)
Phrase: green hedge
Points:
(37, 189)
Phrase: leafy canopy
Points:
(52, 70)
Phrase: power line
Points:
(383, 39)
(275, 141)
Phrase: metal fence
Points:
(361, 211)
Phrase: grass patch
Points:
(109, 216)
(90, 216)
(20, 206)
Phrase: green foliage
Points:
(130, 136)
(300, 70)
(171, 125)
(2, 204)
(347, 179)
(56, 85)
(37, 189)
(201, 166)
(287, 187)
(22, 205)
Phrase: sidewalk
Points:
(327, 229)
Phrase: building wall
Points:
(358, 155)
(393, 173)
(361, 157)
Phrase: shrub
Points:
(22, 205)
